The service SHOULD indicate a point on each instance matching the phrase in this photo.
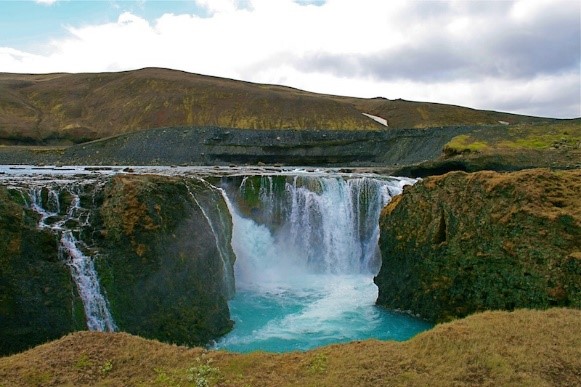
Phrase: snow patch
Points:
(382, 121)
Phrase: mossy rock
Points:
(159, 263)
(463, 243)
(37, 295)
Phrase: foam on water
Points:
(309, 282)
(311, 311)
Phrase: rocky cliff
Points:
(165, 273)
(159, 245)
(38, 301)
(226, 146)
(462, 243)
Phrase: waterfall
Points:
(306, 252)
(323, 224)
(215, 220)
(83, 272)
(46, 201)
(303, 249)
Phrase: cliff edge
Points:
(144, 254)
(462, 243)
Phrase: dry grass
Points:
(535, 348)
(73, 108)
(549, 194)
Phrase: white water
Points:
(303, 282)
(83, 272)
(309, 281)
(330, 225)
(220, 239)
(81, 265)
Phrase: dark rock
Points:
(161, 247)
(464, 243)
(160, 265)
(38, 300)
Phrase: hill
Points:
(74, 108)
(524, 347)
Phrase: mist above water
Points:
(306, 250)
(304, 278)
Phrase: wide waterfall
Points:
(306, 247)
(307, 251)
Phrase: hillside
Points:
(73, 108)
(555, 145)
(534, 348)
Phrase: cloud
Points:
(219, 6)
(45, 2)
(452, 45)
(521, 56)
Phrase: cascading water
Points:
(307, 252)
(221, 238)
(305, 243)
(83, 272)
(47, 203)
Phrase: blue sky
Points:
(27, 24)
(521, 56)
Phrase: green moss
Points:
(464, 144)
(505, 245)
(36, 290)
(160, 267)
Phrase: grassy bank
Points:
(534, 348)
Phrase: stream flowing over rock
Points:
(145, 254)
(463, 243)
(151, 253)
(151, 250)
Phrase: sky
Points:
(519, 56)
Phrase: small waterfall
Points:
(214, 218)
(83, 272)
(306, 253)
(47, 201)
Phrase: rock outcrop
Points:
(227, 146)
(37, 295)
(161, 266)
(160, 246)
(462, 243)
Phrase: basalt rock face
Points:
(38, 300)
(462, 243)
(160, 248)
(162, 267)
(225, 146)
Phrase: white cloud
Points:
(521, 56)
(46, 2)
(219, 6)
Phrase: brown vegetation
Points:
(74, 108)
(534, 348)
(400, 113)
(550, 144)
(461, 243)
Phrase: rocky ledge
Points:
(162, 261)
(461, 243)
